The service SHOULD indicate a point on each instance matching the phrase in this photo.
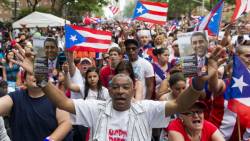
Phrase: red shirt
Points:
(207, 131)
(106, 74)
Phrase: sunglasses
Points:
(133, 49)
(192, 113)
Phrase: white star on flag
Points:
(73, 38)
(139, 10)
(212, 19)
(239, 83)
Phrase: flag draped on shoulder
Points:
(114, 9)
(238, 93)
(86, 39)
(242, 6)
(154, 12)
(212, 21)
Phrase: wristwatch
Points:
(42, 84)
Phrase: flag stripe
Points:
(94, 40)
(241, 110)
(150, 20)
(86, 48)
(154, 17)
(94, 45)
(93, 35)
(248, 6)
(93, 31)
(158, 4)
(241, 6)
(245, 101)
(155, 8)
(158, 13)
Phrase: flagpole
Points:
(238, 125)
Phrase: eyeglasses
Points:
(192, 113)
(132, 48)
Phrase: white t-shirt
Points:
(87, 114)
(77, 79)
(143, 69)
(104, 94)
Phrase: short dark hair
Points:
(131, 41)
(175, 77)
(199, 34)
(125, 66)
(3, 83)
(51, 39)
(159, 51)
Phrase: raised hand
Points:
(24, 58)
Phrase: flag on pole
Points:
(114, 9)
(238, 93)
(153, 12)
(90, 20)
(242, 6)
(212, 21)
(86, 39)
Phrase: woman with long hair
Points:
(92, 87)
(11, 70)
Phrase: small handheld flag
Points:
(86, 39)
(154, 12)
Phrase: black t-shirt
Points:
(32, 119)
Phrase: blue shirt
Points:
(32, 119)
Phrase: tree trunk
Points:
(34, 6)
(53, 3)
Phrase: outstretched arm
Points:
(190, 95)
(58, 98)
(64, 125)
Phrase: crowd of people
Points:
(136, 90)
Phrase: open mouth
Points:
(196, 122)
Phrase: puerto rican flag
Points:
(86, 39)
(238, 94)
(114, 9)
(212, 21)
(242, 6)
(153, 12)
(91, 20)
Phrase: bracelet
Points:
(48, 139)
(194, 85)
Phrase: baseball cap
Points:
(85, 60)
(200, 103)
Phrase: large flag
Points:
(154, 12)
(212, 21)
(242, 6)
(86, 39)
(114, 9)
(238, 94)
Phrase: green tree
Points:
(129, 9)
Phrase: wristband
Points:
(48, 139)
(13, 43)
(195, 86)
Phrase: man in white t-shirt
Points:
(143, 70)
(120, 118)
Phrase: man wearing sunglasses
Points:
(143, 70)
